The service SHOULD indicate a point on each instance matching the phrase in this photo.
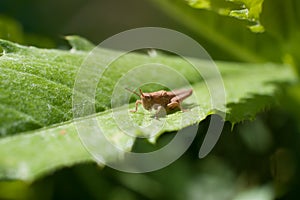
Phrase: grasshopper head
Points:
(147, 100)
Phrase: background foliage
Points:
(256, 159)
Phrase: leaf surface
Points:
(36, 88)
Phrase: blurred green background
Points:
(256, 159)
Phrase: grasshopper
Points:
(162, 100)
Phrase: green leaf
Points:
(224, 33)
(248, 10)
(12, 30)
(36, 88)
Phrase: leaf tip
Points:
(232, 125)
(257, 28)
(79, 43)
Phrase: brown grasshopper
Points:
(161, 100)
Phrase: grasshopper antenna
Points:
(132, 92)
(141, 92)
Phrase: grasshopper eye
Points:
(148, 98)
